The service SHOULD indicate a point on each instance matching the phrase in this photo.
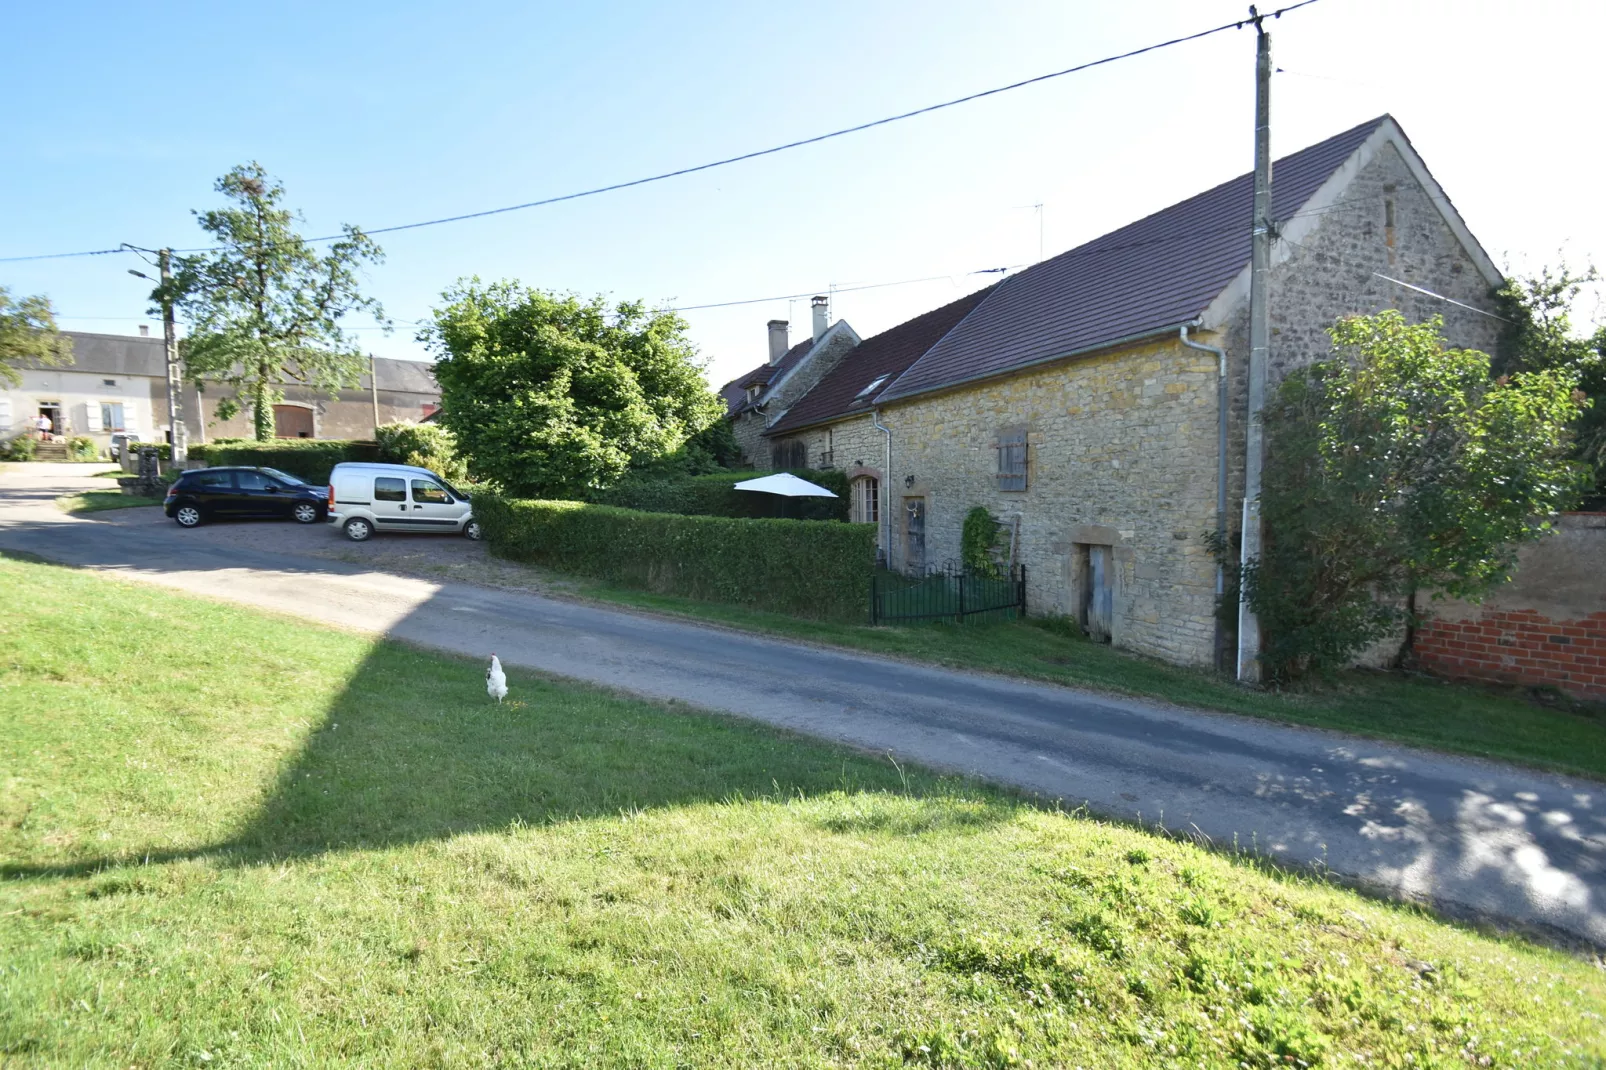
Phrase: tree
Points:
(1539, 335)
(265, 308)
(1398, 467)
(552, 396)
(28, 335)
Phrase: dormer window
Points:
(752, 393)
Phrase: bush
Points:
(423, 445)
(715, 495)
(800, 567)
(83, 449)
(21, 448)
(309, 459)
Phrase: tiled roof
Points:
(735, 391)
(1159, 272)
(885, 356)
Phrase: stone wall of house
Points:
(1121, 454)
(748, 430)
(1547, 627)
(349, 415)
(814, 366)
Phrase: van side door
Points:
(390, 503)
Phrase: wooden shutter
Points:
(92, 415)
(1012, 460)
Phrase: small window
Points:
(866, 501)
(390, 489)
(1012, 460)
(430, 493)
(108, 382)
(874, 385)
(252, 480)
(111, 416)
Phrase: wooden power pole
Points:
(1259, 345)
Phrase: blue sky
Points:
(123, 114)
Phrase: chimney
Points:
(144, 330)
(822, 316)
(780, 340)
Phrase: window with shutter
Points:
(1012, 460)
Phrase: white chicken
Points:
(496, 680)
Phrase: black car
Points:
(214, 493)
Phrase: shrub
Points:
(978, 543)
(82, 448)
(800, 567)
(423, 445)
(715, 495)
(310, 459)
(21, 448)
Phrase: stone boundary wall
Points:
(1547, 627)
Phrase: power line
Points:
(748, 155)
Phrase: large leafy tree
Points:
(28, 335)
(1540, 335)
(554, 396)
(1400, 466)
(265, 307)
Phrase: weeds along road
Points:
(1477, 838)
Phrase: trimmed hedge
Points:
(714, 495)
(801, 567)
(308, 459)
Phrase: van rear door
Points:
(390, 503)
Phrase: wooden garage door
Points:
(292, 421)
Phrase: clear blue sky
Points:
(122, 115)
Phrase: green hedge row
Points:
(715, 495)
(800, 567)
(309, 459)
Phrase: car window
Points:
(283, 477)
(430, 493)
(248, 480)
(212, 480)
(390, 489)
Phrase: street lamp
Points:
(175, 390)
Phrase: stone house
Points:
(1096, 402)
(119, 383)
(756, 399)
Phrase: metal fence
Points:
(947, 593)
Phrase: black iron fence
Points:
(947, 593)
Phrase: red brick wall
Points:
(1519, 646)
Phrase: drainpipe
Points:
(1221, 467)
(886, 478)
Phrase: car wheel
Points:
(357, 529)
(188, 516)
(472, 530)
(305, 513)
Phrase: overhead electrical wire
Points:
(1238, 24)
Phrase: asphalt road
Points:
(1475, 838)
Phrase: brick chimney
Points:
(821, 307)
(780, 340)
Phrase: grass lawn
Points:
(95, 501)
(1465, 719)
(234, 839)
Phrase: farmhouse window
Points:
(1012, 460)
(866, 501)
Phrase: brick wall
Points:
(1546, 627)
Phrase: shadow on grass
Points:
(413, 750)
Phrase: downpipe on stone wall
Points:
(886, 480)
(1221, 466)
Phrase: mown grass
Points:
(95, 501)
(234, 839)
(1484, 722)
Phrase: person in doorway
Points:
(44, 426)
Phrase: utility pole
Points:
(373, 390)
(1259, 344)
(175, 381)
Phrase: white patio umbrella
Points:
(787, 485)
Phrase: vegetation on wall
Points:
(265, 307)
(797, 567)
(979, 542)
(28, 335)
(715, 495)
(1397, 467)
(553, 396)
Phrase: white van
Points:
(365, 498)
